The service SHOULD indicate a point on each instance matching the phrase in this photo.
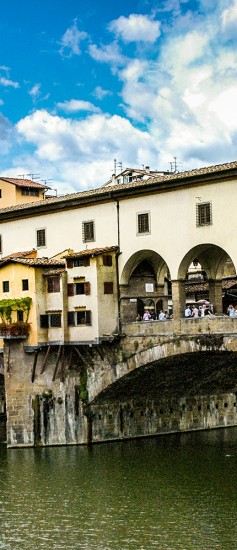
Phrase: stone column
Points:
(215, 295)
(178, 298)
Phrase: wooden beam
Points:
(57, 362)
(34, 365)
(45, 360)
(100, 352)
(80, 355)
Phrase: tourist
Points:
(203, 311)
(195, 312)
(188, 312)
(146, 316)
(231, 311)
(162, 315)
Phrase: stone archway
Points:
(212, 259)
(144, 277)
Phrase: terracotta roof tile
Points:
(92, 252)
(104, 191)
(24, 183)
(24, 254)
(34, 262)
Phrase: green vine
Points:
(7, 306)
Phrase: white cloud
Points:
(75, 105)
(135, 28)
(70, 41)
(35, 91)
(82, 150)
(100, 93)
(229, 19)
(6, 82)
(108, 53)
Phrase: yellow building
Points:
(15, 191)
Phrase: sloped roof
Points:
(155, 183)
(33, 262)
(92, 252)
(23, 254)
(24, 182)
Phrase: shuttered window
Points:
(143, 223)
(203, 214)
(54, 284)
(88, 231)
(108, 287)
(107, 260)
(41, 237)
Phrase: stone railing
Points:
(171, 327)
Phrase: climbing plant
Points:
(7, 306)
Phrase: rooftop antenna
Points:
(47, 180)
(174, 165)
(33, 176)
(117, 164)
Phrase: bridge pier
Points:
(215, 295)
(178, 298)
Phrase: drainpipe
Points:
(117, 267)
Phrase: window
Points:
(30, 191)
(78, 262)
(54, 284)
(41, 237)
(109, 288)
(25, 284)
(55, 320)
(0, 193)
(83, 317)
(71, 318)
(51, 320)
(203, 214)
(20, 315)
(5, 286)
(107, 260)
(82, 288)
(88, 231)
(0, 244)
(143, 223)
(44, 321)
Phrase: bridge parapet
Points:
(182, 327)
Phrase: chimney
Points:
(147, 168)
(113, 179)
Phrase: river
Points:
(168, 492)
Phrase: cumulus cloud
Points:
(71, 39)
(90, 144)
(75, 105)
(35, 91)
(6, 135)
(135, 28)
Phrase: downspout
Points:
(117, 267)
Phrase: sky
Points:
(83, 83)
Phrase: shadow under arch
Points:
(158, 264)
(144, 282)
(212, 257)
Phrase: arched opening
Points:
(209, 276)
(145, 283)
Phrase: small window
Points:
(70, 289)
(5, 286)
(88, 231)
(55, 320)
(0, 244)
(44, 321)
(0, 193)
(53, 284)
(143, 223)
(71, 318)
(82, 288)
(83, 317)
(41, 237)
(107, 260)
(203, 214)
(30, 191)
(25, 284)
(109, 288)
(20, 315)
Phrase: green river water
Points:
(169, 492)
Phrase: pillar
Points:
(178, 298)
(215, 295)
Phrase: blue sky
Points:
(84, 83)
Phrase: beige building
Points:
(160, 226)
(16, 191)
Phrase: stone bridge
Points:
(158, 377)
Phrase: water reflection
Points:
(171, 492)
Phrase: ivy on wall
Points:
(7, 306)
